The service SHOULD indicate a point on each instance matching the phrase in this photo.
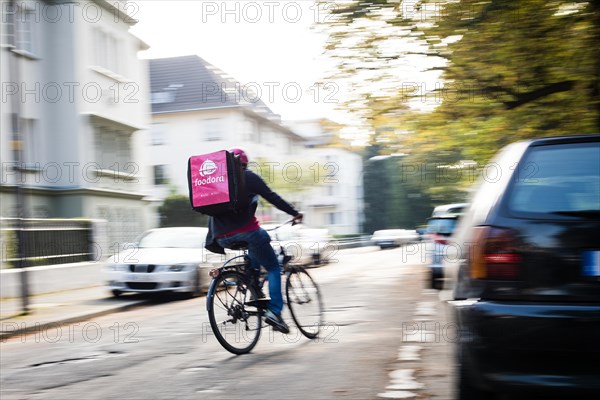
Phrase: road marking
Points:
(402, 380)
(419, 336)
(409, 353)
(425, 308)
(210, 391)
(397, 395)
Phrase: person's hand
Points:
(298, 218)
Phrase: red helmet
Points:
(241, 154)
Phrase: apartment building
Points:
(74, 101)
(197, 109)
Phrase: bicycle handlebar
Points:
(291, 221)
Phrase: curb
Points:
(66, 321)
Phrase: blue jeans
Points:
(261, 253)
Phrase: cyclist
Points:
(243, 226)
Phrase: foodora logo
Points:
(208, 168)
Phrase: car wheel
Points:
(316, 259)
(116, 293)
(196, 290)
(435, 280)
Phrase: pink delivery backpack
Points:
(216, 183)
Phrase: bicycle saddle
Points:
(239, 245)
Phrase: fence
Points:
(47, 241)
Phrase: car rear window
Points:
(444, 226)
(557, 178)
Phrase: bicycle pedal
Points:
(260, 303)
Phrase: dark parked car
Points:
(527, 295)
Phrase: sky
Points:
(268, 46)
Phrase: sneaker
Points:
(276, 322)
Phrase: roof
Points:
(189, 83)
(448, 209)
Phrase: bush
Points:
(176, 211)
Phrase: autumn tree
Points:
(474, 75)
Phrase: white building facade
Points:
(198, 109)
(71, 74)
(336, 201)
(195, 112)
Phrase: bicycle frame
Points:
(244, 268)
(216, 272)
(246, 306)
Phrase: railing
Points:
(357, 241)
(46, 241)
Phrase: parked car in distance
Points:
(527, 293)
(445, 209)
(162, 260)
(422, 232)
(307, 246)
(438, 247)
(387, 238)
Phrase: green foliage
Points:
(393, 198)
(508, 70)
(287, 179)
(176, 211)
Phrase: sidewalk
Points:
(59, 308)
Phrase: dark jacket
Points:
(228, 222)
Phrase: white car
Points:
(163, 260)
(307, 246)
(386, 238)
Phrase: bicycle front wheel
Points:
(304, 301)
(236, 325)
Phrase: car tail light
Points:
(439, 239)
(494, 254)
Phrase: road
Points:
(385, 336)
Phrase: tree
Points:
(177, 211)
(510, 70)
(392, 196)
(289, 179)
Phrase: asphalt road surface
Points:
(385, 336)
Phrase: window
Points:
(106, 48)
(334, 218)
(331, 190)
(19, 27)
(443, 226)
(8, 24)
(31, 141)
(113, 149)
(160, 175)
(255, 132)
(112, 61)
(557, 179)
(162, 97)
(26, 31)
(212, 130)
(158, 134)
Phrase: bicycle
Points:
(236, 306)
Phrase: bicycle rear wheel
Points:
(235, 324)
(304, 301)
